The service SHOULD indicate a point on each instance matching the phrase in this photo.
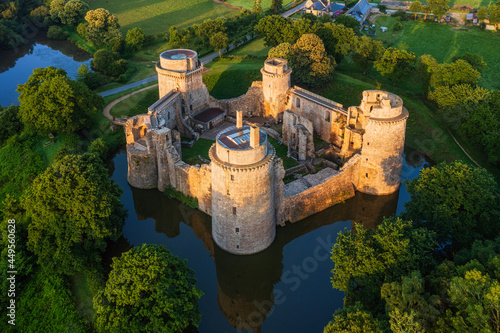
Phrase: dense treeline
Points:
(435, 269)
(66, 211)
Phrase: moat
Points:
(291, 277)
(18, 64)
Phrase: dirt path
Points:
(108, 107)
(458, 144)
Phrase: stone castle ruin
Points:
(242, 187)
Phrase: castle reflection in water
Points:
(245, 283)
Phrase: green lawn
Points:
(157, 16)
(236, 73)
(201, 147)
(281, 151)
(229, 78)
(135, 104)
(444, 42)
(254, 48)
(248, 4)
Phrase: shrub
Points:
(397, 26)
(383, 9)
(56, 32)
(187, 200)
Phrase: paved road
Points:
(204, 60)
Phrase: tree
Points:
(102, 26)
(494, 14)
(409, 304)
(209, 28)
(56, 32)
(416, 7)
(311, 65)
(73, 12)
(283, 51)
(339, 41)
(426, 9)
(108, 62)
(423, 70)
(474, 59)
(219, 41)
(396, 63)
(365, 259)
(457, 201)
(353, 319)
(476, 299)
(135, 38)
(52, 102)
(482, 13)
(274, 29)
(458, 72)
(40, 16)
(74, 209)
(56, 7)
(367, 50)
(438, 7)
(9, 122)
(276, 5)
(257, 7)
(348, 21)
(175, 36)
(148, 290)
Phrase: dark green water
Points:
(18, 64)
(285, 288)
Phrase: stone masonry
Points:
(242, 187)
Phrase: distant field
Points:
(156, 17)
(444, 42)
(248, 4)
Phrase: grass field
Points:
(444, 42)
(201, 147)
(136, 104)
(236, 73)
(156, 17)
(248, 4)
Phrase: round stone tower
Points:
(180, 70)
(243, 201)
(383, 142)
(275, 83)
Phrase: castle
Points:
(242, 187)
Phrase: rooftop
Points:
(239, 138)
(178, 54)
(208, 115)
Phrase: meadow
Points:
(444, 42)
(248, 4)
(156, 17)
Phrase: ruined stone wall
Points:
(329, 188)
(191, 180)
(328, 124)
(252, 103)
(243, 205)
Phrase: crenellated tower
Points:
(243, 190)
(181, 70)
(276, 81)
(383, 142)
